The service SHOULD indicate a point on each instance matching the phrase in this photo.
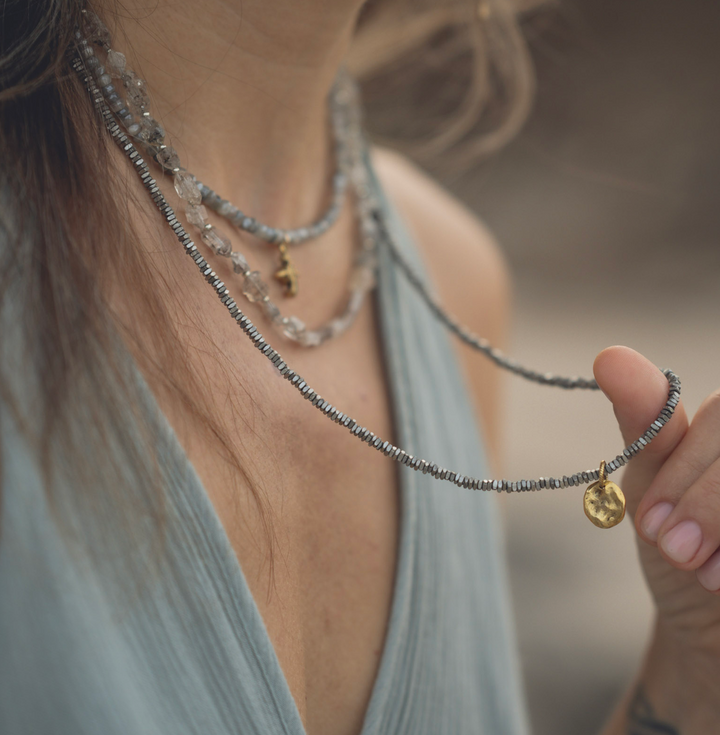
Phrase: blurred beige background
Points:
(608, 206)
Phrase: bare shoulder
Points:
(467, 267)
(464, 259)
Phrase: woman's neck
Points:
(241, 88)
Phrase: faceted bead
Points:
(152, 132)
(272, 312)
(168, 159)
(133, 129)
(240, 265)
(95, 29)
(104, 80)
(254, 288)
(312, 339)
(324, 333)
(338, 325)
(226, 209)
(362, 279)
(115, 63)
(197, 215)
(116, 104)
(293, 328)
(216, 241)
(186, 187)
(136, 91)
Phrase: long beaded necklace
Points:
(603, 501)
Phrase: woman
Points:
(186, 546)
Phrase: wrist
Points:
(682, 684)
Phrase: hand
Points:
(673, 493)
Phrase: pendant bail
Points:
(602, 479)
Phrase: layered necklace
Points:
(125, 95)
(127, 118)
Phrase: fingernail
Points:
(709, 573)
(654, 518)
(682, 542)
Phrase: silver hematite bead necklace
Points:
(604, 502)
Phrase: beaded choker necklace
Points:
(132, 111)
(603, 502)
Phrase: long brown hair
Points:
(63, 232)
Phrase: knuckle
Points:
(705, 496)
(692, 465)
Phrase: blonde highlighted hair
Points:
(444, 78)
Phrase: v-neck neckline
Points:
(239, 590)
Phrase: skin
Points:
(256, 75)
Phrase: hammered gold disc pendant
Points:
(604, 502)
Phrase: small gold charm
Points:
(604, 502)
(286, 273)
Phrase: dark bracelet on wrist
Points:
(642, 719)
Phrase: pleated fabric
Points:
(84, 651)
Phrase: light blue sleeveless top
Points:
(190, 655)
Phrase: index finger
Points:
(698, 449)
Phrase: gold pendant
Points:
(286, 273)
(604, 502)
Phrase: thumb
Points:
(638, 391)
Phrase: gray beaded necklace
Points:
(134, 114)
(147, 130)
(604, 503)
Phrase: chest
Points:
(311, 513)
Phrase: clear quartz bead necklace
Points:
(344, 106)
(133, 113)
